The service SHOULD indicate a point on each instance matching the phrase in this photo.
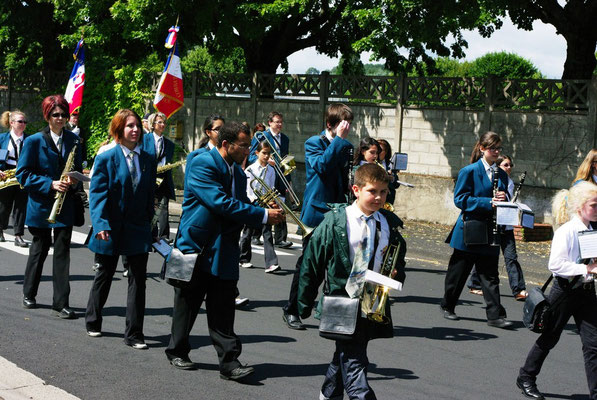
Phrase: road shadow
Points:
(120, 311)
(426, 270)
(563, 396)
(389, 373)
(18, 279)
(442, 333)
(253, 304)
(428, 300)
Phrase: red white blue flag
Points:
(76, 82)
(169, 97)
(172, 35)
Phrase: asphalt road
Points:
(430, 357)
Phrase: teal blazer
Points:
(116, 208)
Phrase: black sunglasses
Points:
(63, 115)
(21, 121)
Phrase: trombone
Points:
(286, 164)
(266, 195)
(293, 197)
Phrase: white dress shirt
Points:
(565, 252)
(277, 141)
(55, 138)
(12, 152)
(156, 138)
(488, 169)
(267, 173)
(137, 151)
(354, 227)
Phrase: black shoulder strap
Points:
(325, 140)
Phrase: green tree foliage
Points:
(503, 65)
(312, 71)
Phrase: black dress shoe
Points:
(183, 363)
(2, 237)
(238, 373)
(283, 244)
(449, 314)
(499, 323)
(65, 313)
(293, 321)
(29, 303)
(20, 242)
(529, 389)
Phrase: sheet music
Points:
(78, 176)
(587, 242)
(379, 279)
(507, 213)
(162, 248)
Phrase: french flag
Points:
(76, 82)
(172, 35)
(169, 97)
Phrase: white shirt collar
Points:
(486, 164)
(210, 145)
(356, 212)
(14, 136)
(328, 135)
(156, 137)
(126, 150)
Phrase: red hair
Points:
(119, 122)
(51, 102)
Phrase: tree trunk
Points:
(580, 56)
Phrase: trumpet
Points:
(9, 179)
(167, 167)
(293, 197)
(266, 195)
(287, 164)
(375, 297)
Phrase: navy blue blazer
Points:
(39, 165)
(149, 147)
(472, 194)
(211, 218)
(284, 145)
(326, 176)
(116, 208)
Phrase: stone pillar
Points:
(194, 108)
(400, 103)
(323, 94)
(490, 85)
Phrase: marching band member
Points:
(13, 198)
(473, 195)
(214, 210)
(326, 164)
(573, 290)
(121, 206)
(39, 170)
(162, 149)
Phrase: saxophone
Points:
(9, 179)
(167, 167)
(60, 196)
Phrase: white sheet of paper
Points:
(507, 213)
(379, 279)
(78, 176)
(587, 241)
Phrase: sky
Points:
(542, 46)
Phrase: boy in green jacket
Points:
(350, 240)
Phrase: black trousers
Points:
(42, 240)
(163, 226)
(135, 300)
(268, 245)
(219, 295)
(292, 306)
(581, 304)
(13, 199)
(459, 268)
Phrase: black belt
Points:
(564, 283)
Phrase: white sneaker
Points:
(139, 346)
(241, 301)
(125, 273)
(246, 265)
(272, 268)
(94, 333)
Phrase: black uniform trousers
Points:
(42, 240)
(219, 295)
(13, 199)
(135, 300)
(292, 306)
(581, 304)
(459, 268)
(348, 369)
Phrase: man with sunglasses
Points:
(12, 198)
(214, 210)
